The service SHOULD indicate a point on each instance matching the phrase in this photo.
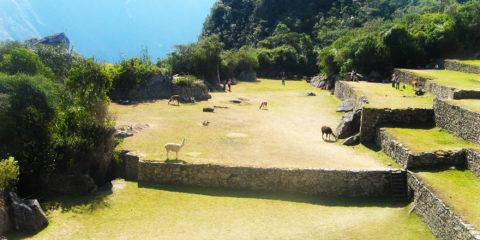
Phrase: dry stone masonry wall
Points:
(372, 118)
(473, 161)
(453, 65)
(411, 160)
(441, 220)
(345, 91)
(408, 77)
(305, 181)
(458, 120)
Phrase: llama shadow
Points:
(175, 161)
(329, 141)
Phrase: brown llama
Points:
(174, 98)
(328, 131)
(263, 105)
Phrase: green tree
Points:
(18, 59)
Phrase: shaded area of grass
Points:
(174, 212)
(429, 139)
(472, 104)
(383, 95)
(460, 189)
(459, 80)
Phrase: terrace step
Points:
(398, 186)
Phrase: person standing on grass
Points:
(398, 84)
(394, 79)
(229, 85)
(283, 78)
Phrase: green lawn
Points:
(469, 62)
(427, 140)
(459, 80)
(162, 212)
(472, 104)
(382, 95)
(287, 135)
(461, 191)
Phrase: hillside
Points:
(368, 35)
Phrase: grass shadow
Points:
(175, 161)
(281, 196)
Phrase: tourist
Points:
(419, 92)
(394, 79)
(283, 78)
(224, 85)
(229, 85)
(397, 86)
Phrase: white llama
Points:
(174, 147)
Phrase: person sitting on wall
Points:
(419, 92)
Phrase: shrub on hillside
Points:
(134, 72)
(9, 172)
(15, 59)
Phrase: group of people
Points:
(396, 85)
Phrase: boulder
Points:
(52, 40)
(349, 126)
(5, 223)
(28, 216)
(319, 81)
(311, 94)
(207, 109)
(75, 184)
(347, 106)
(351, 141)
(122, 134)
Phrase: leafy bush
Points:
(9, 172)
(134, 72)
(15, 59)
(243, 60)
(187, 80)
(57, 58)
(26, 127)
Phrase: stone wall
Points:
(453, 65)
(197, 90)
(159, 88)
(458, 120)
(131, 166)
(411, 160)
(345, 91)
(408, 77)
(373, 118)
(305, 181)
(473, 161)
(441, 220)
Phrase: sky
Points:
(107, 29)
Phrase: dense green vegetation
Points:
(52, 120)
(367, 35)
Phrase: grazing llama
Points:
(263, 105)
(174, 147)
(328, 131)
(174, 98)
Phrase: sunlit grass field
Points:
(432, 139)
(459, 80)
(163, 212)
(460, 189)
(383, 95)
(287, 135)
(469, 62)
(472, 104)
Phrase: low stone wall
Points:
(305, 181)
(373, 118)
(453, 65)
(473, 161)
(441, 220)
(130, 162)
(458, 120)
(197, 90)
(436, 89)
(408, 77)
(411, 160)
(345, 91)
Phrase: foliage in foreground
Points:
(9, 172)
